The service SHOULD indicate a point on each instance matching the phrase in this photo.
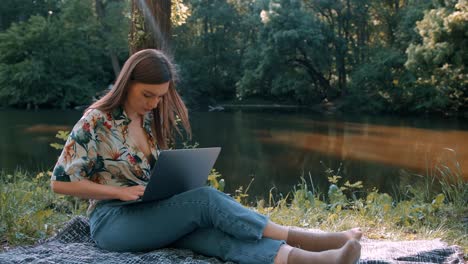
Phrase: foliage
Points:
(114, 27)
(179, 13)
(63, 135)
(376, 84)
(447, 173)
(380, 215)
(290, 57)
(15, 11)
(375, 56)
(29, 210)
(440, 60)
(207, 48)
(304, 197)
(215, 182)
(241, 195)
(54, 61)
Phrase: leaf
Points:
(438, 202)
(62, 135)
(57, 145)
(334, 179)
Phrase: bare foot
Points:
(355, 233)
(312, 241)
(348, 254)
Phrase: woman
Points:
(109, 155)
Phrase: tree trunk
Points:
(340, 51)
(115, 63)
(315, 74)
(153, 17)
(100, 8)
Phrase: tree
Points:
(292, 58)
(376, 85)
(15, 11)
(151, 25)
(114, 28)
(336, 16)
(439, 60)
(209, 49)
(53, 61)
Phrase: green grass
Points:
(380, 216)
(29, 210)
(433, 208)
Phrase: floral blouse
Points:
(100, 150)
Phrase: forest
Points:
(392, 56)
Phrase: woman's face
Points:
(142, 97)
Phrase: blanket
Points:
(73, 244)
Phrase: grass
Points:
(30, 211)
(433, 208)
(378, 214)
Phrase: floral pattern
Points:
(99, 149)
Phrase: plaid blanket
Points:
(73, 244)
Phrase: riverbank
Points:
(258, 104)
(31, 212)
(338, 106)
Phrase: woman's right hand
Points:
(130, 193)
(87, 189)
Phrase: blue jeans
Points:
(204, 220)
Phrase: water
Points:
(274, 148)
(278, 148)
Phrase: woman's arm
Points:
(89, 190)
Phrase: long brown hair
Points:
(153, 67)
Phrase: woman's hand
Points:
(130, 193)
(87, 189)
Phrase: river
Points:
(277, 148)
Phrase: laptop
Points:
(177, 171)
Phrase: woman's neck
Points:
(134, 116)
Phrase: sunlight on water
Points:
(406, 147)
(44, 128)
(275, 149)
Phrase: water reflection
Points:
(404, 147)
(45, 128)
(278, 148)
(275, 149)
(25, 138)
